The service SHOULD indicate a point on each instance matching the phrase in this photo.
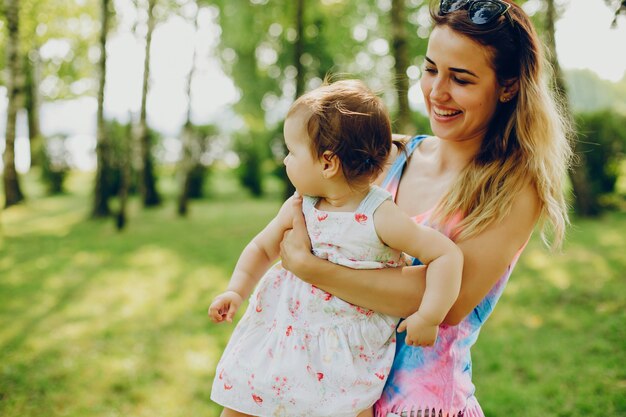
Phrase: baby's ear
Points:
(331, 165)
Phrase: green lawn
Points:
(95, 323)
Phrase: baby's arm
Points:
(253, 262)
(444, 262)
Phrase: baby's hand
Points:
(419, 331)
(224, 307)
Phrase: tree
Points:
(404, 123)
(124, 147)
(102, 191)
(298, 50)
(32, 102)
(55, 49)
(585, 203)
(12, 189)
(190, 150)
(147, 181)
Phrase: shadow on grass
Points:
(107, 323)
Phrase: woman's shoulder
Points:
(404, 146)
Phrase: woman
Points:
(494, 168)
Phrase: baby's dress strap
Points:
(308, 203)
(373, 199)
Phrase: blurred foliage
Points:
(590, 93)
(348, 38)
(63, 34)
(343, 39)
(253, 151)
(199, 157)
(121, 141)
(55, 163)
(602, 138)
(422, 124)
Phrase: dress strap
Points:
(373, 199)
(308, 203)
(391, 181)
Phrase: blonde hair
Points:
(528, 139)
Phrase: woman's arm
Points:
(399, 291)
(393, 291)
(489, 254)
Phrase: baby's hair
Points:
(352, 122)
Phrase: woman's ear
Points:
(509, 90)
(331, 165)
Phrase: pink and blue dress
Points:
(436, 381)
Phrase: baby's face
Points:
(304, 168)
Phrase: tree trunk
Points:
(125, 164)
(298, 50)
(586, 203)
(103, 147)
(186, 166)
(12, 190)
(404, 124)
(188, 157)
(32, 104)
(147, 180)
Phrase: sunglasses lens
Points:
(483, 12)
(448, 6)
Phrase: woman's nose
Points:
(439, 90)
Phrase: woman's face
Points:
(460, 88)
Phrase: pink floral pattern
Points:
(300, 351)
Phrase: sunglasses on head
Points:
(480, 12)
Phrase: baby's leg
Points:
(367, 413)
(227, 412)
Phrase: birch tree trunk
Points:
(298, 50)
(403, 124)
(33, 104)
(190, 151)
(102, 190)
(12, 191)
(147, 180)
(125, 165)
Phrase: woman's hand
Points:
(295, 248)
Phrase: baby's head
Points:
(350, 121)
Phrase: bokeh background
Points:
(132, 180)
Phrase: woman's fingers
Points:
(295, 241)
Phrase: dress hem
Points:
(472, 409)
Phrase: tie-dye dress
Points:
(436, 381)
(298, 351)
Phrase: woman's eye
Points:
(461, 81)
(430, 70)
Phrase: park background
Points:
(133, 180)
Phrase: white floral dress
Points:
(298, 350)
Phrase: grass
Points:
(99, 323)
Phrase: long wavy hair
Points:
(528, 139)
